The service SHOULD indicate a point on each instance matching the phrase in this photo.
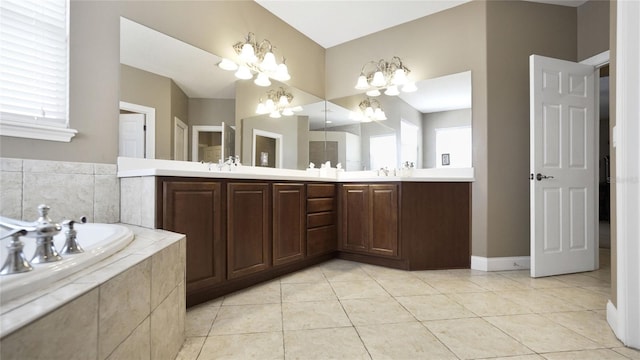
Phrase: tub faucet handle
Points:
(71, 245)
(15, 262)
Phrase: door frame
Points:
(150, 121)
(279, 146)
(177, 123)
(598, 60)
(624, 316)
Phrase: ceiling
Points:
(346, 20)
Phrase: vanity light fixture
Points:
(277, 103)
(368, 111)
(389, 75)
(256, 57)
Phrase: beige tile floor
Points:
(347, 310)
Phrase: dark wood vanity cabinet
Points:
(369, 219)
(248, 229)
(321, 219)
(289, 230)
(194, 208)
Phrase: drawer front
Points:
(321, 240)
(320, 205)
(321, 190)
(320, 219)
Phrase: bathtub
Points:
(99, 241)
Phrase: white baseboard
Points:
(500, 263)
(612, 319)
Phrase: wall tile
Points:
(105, 169)
(130, 200)
(167, 327)
(11, 194)
(124, 304)
(136, 346)
(8, 164)
(43, 338)
(148, 203)
(70, 196)
(166, 273)
(107, 199)
(57, 167)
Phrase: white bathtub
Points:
(99, 241)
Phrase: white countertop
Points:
(133, 167)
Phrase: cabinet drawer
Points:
(320, 219)
(321, 190)
(321, 240)
(319, 205)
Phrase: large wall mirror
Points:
(172, 79)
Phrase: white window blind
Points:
(34, 67)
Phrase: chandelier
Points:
(277, 103)
(389, 75)
(368, 110)
(256, 57)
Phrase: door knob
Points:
(540, 176)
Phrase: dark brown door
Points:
(288, 223)
(193, 209)
(248, 230)
(384, 219)
(355, 218)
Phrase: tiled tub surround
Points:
(71, 189)
(129, 306)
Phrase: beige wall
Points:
(514, 32)
(593, 28)
(95, 62)
(439, 120)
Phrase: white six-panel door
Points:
(132, 135)
(563, 179)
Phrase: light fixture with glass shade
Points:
(390, 76)
(256, 57)
(277, 104)
(368, 111)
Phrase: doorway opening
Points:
(604, 169)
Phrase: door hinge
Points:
(144, 127)
(531, 176)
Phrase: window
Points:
(382, 151)
(409, 143)
(34, 68)
(453, 147)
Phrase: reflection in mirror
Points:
(174, 79)
(423, 128)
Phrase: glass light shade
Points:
(284, 101)
(409, 87)
(274, 114)
(378, 79)
(271, 106)
(392, 91)
(262, 80)
(399, 77)
(368, 112)
(282, 74)
(247, 54)
(243, 73)
(373, 93)
(362, 83)
(227, 64)
(262, 109)
(269, 62)
(287, 112)
(378, 114)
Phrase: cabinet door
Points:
(248, 230)
(384, 219)
(194, 209)
(355, 218)
(288, 223)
